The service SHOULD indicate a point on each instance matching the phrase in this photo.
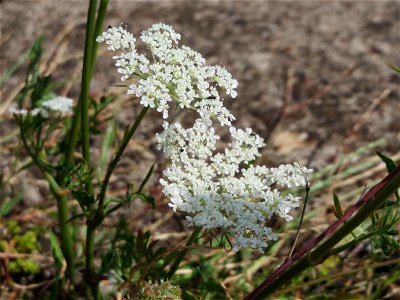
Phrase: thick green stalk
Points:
(85, 87)
(84, 108)
(62, 200)
(62, 209)
(73, 134)
(65, 228)
(101, 14)
(89, 258)
(181, 255)
(116, 159)
(307, 257)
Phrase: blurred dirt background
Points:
(313, 79)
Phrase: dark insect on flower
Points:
(211, 97)
(109, 27)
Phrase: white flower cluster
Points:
(58, 106)
(176, 74)
(222, 190)
(23, 112)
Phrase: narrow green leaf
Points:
(396, 69)
(106, 147)
(373, 219)
(56, 249)
(148, 199)
(7, 206)
(148, 175)
(337, 208)
(390, 164)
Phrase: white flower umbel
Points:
(224, 190)
(214, 190)
(18, 112)
(170, 73)
(59, 105)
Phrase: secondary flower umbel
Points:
(58, 106)
(224, 190)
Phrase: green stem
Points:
(62, 212)
(308, 257)
(74, 132)
(65, 228)
(353, 242)
(84, 110)
(301, 219)
(181, 255)
(116, 159)
(98, 29)
(89, 258)
(85, 87)
(62, 201)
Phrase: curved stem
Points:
(62, 211)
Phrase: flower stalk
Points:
(73, 135)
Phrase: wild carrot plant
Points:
(217, 185)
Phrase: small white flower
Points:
(61, 105)
(18, 112)
(24, 112)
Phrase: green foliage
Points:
(390, 166)
(163, 290)
(23, 265)
(38, 86)
(96, 109)
(20, 243)
(385, 221)
(337, 208)
(132, 195)
(328, 265)
(396, 69)
(135, 257)
(204, 282)
(9, 204)
(27, 243)
(3, 245)
(56, 250)
(77, 180)
(12, 227)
